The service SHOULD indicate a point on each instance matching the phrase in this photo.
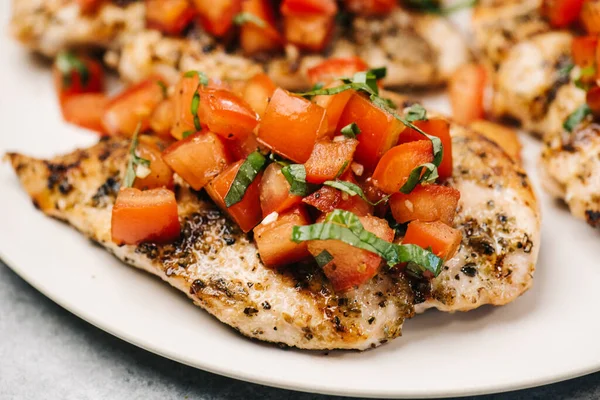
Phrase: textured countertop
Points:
(48, 353)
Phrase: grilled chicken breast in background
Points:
(419, 50)
(218, 268)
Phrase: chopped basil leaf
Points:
(565, 71)
(317, 86)
(274, 158)
(350, 130)
(577, 117)
(353, 189)
(202, 81)
(379, 73)
(435, 7)
(416, 112)
(248, 171)
(201, 76)
(323, 258)
(342, 169)
(425, 173)
(296, 177)
(246, 17)
(186, 134)
(365, 81)
(134, 160)
(585, 73)
(346, 226)
(163, 87)
(67, 63)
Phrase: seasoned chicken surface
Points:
(218, 268)
(419, 50)
(570, 164)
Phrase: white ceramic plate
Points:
(549, 334)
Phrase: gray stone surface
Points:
(48, 353)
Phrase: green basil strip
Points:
(323, 258)
(416, 112)
(425, 173)
(353, 189)
(246, 17)
(365, 81)
(67, 62)
(576, 117)
(203, 79)
(296, 177)
(345, 226)
(350, 130)
(163, 87)
(434, 7)
(194, 109)
(186, 134)
(245, 176)
(133, 160)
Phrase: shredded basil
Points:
(163, 87)
(416, 112)
(350, 130)
(342, 169)
(585, 73)
(346, 226)
(323, 258)
(353, 189)
(365, 81)
(246, 17)
(424, 173)
(434, 6)
(134, 160)
(248, 171)
(296, 177)
(67, 63)
(576, 117)
(186, 134)
(202, 81)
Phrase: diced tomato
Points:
(292, 125)
(379, 129)
(308, 32)
(583, 50)
(352, 266)
(85, 110)
(437, 127)
(321, 7)
(241, 149)
(70, 80)
(593, 100)
(216, 16)
(327, 199)
(396, 165)
(132, 107)
(161, 174)
(371, 7)
(443, 240)
(334, 68)
(255, 39)
(89, 6)
(198, 158)
(144, 216)
(226, 114)
(590, 14)
(163, 118)
(274, 243)
(258, 91)
(562, 13)
(425, 203)
(275, 193)
(182, 106)
(247, 213)
(334, 105)
(467, 89)
(169, 16)
(329, 159)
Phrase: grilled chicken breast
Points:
(419, 50)
(218, 268)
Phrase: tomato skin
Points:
(593, 100)
(425, 203)
(396, 165)
(352, 266)
(562, 13)
(162, 118)
(590, 15)
(274, 242)
(76, 86)
(302, 121)
(133, 106)
(467, 90)
(583, 51)
(334, 105)
(198, 159)
(85, 110)
(327, 199)
(321, 7)
(161, 174)
(308, 32)
(443, 240)
(379, 129)
(255, 39)
(371, 7)
(334, 68)
(275, 193)
(182, 106)
(257, 92)
(241, 149)
(216, 16)
(247, 213)
(226, 114)
(144, 216)
(329, 159)
(169, 16)
(437, 127)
